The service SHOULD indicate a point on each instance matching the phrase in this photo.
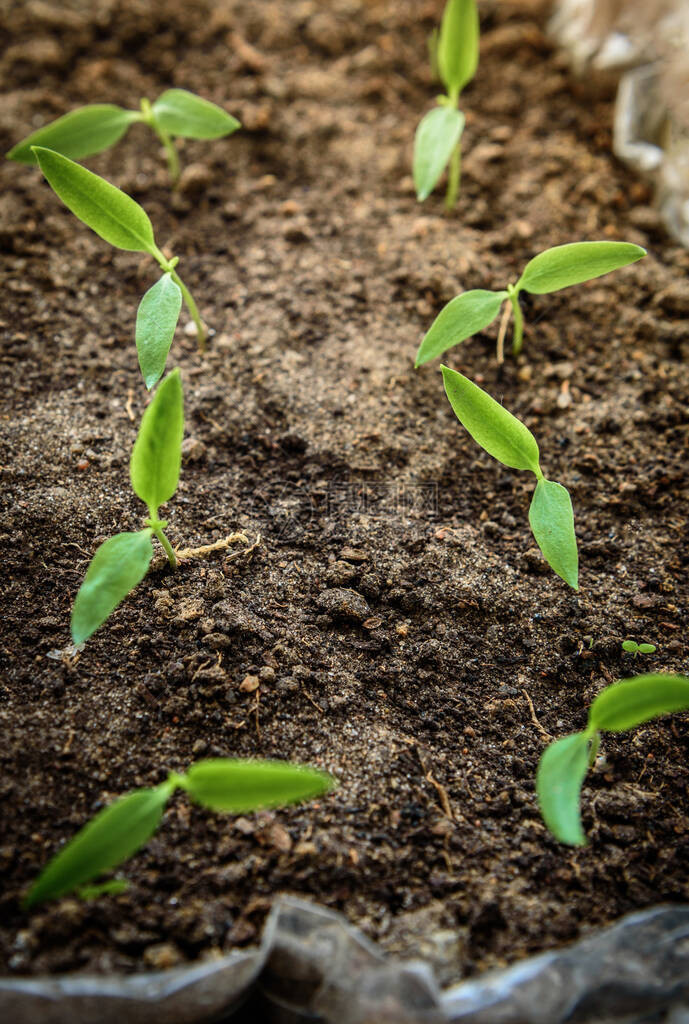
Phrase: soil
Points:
(406, 633)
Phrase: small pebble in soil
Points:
(162, 955)
(344, 604)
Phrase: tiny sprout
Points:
(122, 828)
(119, 220)
(564, 763)
(437, 143)
(122, 561)
(506, 438)
(550, 271)
(631, 647)
(92, 129)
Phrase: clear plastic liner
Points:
(314, 967)
(636, 972)
(320, 968)
(647, 43)
(210, 991)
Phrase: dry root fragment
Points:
(219, 545)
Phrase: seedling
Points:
(506, 438)
(119, 219)
(564, 763)
(437, 143)
(89, 130)
(122, 561)
(631, 647)
(122, 828)
(550, 271)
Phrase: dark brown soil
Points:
(319, 272)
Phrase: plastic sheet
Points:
(314, 967)
(636, 972)
(647, 43)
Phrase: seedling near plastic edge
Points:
(631, 647)
(122, 828)
(564, 764)
(437, 143)
(92, 129)
(506, 438)
(119, 220)
(550, 271)
(121, 562)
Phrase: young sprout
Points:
(437, 143)
(550, 271)
(564, 763)
(631, 647)
(119, 220)
(122, 561)
(506, 438)
(122, 828)
(92, 129)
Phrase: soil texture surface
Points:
(389, 618)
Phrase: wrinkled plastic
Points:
(647, 43)
(207, 992)
(314, 967)
(636, 972)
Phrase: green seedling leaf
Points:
(552, 523)
(631, 647)
(115, 834)
(118, 566)
(462, 316)
(182, 113)
(560, 775)
(633, 701)
(157, 453)
(113, 887)
(566, 265)
(109, 212)
(498, 432)
(458, 44)
(78, 134)
(437, 135)
(156, 321)
(238, 786)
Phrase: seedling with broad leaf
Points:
(122, 561)
(564, 764)
(122, 828)
(177, 113)
(119, 220)
(631, 647)
(437, 143)
(550, 271)
(506, 438)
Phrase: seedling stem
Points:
(168, 267)
(595, 746)
(158, 525)
(453, 178)
(170, 151)
(518, 332)
(454, 170)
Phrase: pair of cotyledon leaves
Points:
(118, 831)
(122, 561)
(119, 220)
(440, 131)
(550, 271)
(506, 438)
(564, 764)
(90, 130)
